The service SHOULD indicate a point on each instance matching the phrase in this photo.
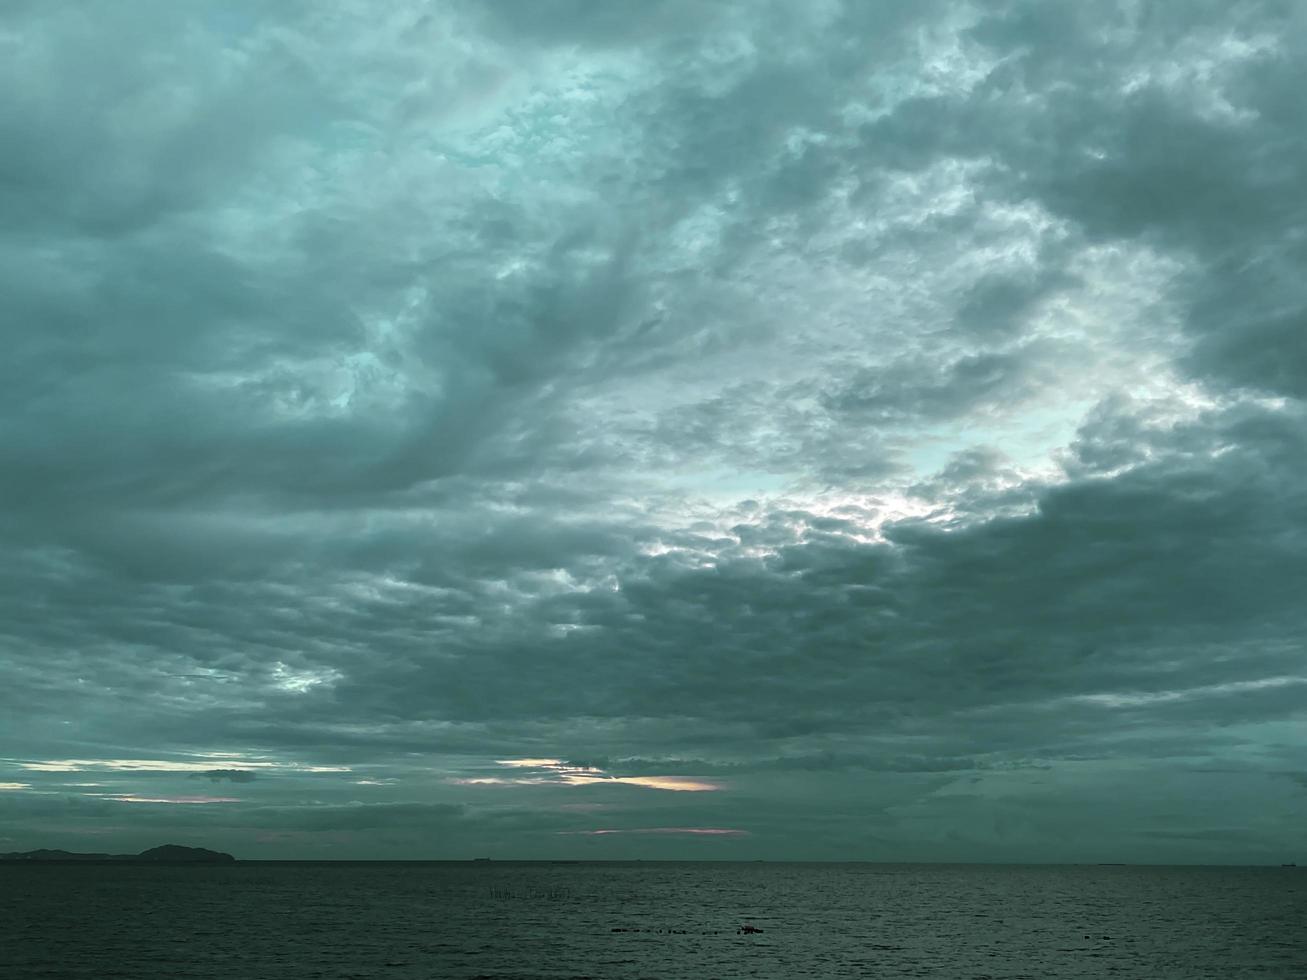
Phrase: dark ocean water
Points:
(509, 920)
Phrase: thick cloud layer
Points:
(826, 430)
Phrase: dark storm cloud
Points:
(888, 416)
(1143, 121)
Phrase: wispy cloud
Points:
(530, 763)
(239, 771)
(186, 800)
(558, 772)
(671, 831)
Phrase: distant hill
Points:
(165, 853)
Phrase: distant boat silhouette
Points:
(481, 859)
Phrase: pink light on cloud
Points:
(675, 784)
(556, 772)
(688, 831)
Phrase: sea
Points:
(529, 920)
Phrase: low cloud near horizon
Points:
(581, 430)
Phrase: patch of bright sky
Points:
(300, 680)
(555, 771)
(1114, 334)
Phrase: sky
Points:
(575, 429)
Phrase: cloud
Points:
(555, 771)
(185, 800)
(884, 418)
(687, 831)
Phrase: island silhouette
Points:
(164, 853)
